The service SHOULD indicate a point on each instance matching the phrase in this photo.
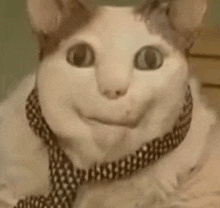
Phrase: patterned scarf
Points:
(65, 178)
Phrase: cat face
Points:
(110, 71)
(115, 73)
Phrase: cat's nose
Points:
(113, 80)
(114, 93)
(113, 86)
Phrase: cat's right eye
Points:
(148, 58)
(81, 55)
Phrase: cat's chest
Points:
(25, 172)
(140, 191)
(31, 176)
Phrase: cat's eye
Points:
(81, 55)
(148, 58)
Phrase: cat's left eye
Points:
(81, 55)
(148, 58)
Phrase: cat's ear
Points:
(177, 20)
(47, 15)
(187, 15)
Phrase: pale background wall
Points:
(18, 47)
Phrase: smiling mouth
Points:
(114, 123)
(126, 122)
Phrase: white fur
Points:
(153, 100)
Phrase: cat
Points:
(110, 79)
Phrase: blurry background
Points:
(18, 47)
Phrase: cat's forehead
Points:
(112, 15)
(117, 20)
(117, 27)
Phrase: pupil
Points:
(150, 58)
(80, 55)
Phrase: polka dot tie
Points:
(65, 178)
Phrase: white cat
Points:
(109, 80)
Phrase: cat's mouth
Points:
(123, 123)
(127, 112)
(130, 119)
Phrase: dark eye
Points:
(148, 57)
(81, 55)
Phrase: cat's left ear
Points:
(48, 15)
(187, 15)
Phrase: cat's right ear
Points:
(47, 15)
(187, 15)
